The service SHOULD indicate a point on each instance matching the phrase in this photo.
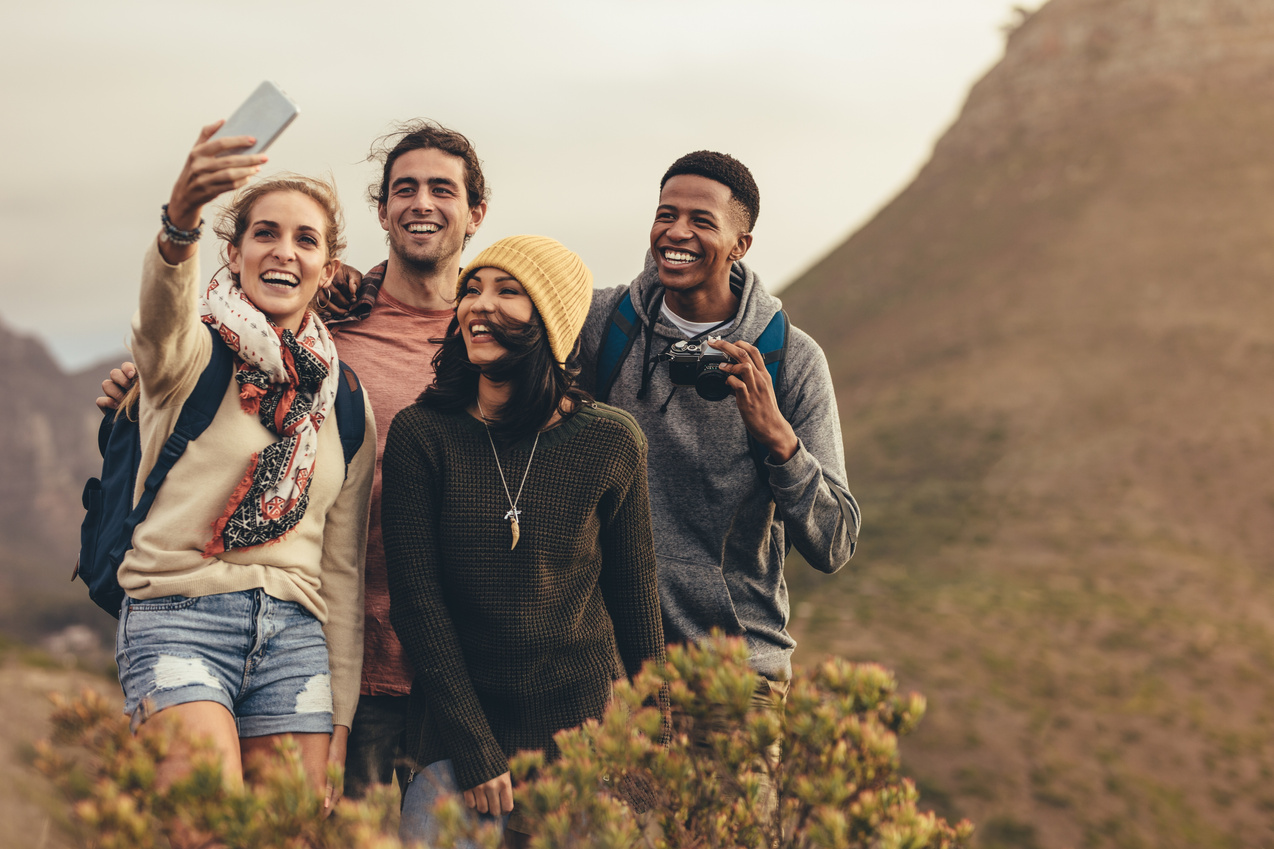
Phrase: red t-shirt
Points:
(392, 351)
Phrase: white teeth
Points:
(422, 227)
(478, 328)
(679, 256)
(281, 277)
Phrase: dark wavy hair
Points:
(423, 134)
(540, 383)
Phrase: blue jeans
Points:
(264, 659)
(424, 790)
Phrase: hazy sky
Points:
(575, 106)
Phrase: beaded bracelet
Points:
(176, 235)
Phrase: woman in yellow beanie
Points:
(517, 535)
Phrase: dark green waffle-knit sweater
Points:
(510, 646)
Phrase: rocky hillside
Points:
(49, 449)
(1053, 352)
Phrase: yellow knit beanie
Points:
(558, 281)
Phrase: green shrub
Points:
(110, 778)
(697, 778)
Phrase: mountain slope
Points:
(1052, 351)
(49, 449)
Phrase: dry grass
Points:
(34, 814)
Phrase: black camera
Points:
(699, 365)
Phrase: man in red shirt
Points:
(430, 199)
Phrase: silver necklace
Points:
(512, 516)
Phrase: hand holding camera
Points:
(739, 368)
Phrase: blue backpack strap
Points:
(617, 341)
(772, 343)
(196, 414)
(351, 414)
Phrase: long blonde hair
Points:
(128, 404)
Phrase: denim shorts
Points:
(264, 659)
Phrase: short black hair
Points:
(728, 171)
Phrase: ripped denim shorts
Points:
(264, 659)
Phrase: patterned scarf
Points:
(289, 382)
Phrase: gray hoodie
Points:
(721, 532)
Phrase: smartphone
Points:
(264, 115)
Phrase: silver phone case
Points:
(264, 115)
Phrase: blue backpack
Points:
(106, 533)
(624, 327)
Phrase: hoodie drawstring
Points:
(648, 328)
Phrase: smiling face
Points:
(427, 214)
(490, 294)
(697, 234)
(283, 257)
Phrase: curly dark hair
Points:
(728, 171)
(423, 134)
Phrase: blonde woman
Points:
(242, 620)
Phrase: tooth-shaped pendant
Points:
(514, 525)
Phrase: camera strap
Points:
(621, 334)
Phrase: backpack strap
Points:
(196, 414)
(351, 414)
(617, 341)
(772, 343)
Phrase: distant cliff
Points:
(1087, 260)
(1053, 354)
(49, 448)
(1094, 60)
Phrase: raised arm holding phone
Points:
(243, 614)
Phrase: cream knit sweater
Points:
(318, 564)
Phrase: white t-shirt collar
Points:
(693, 328)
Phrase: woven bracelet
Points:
(175, 234)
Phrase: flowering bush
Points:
(639, 778)
(110, 777)
(713, 786)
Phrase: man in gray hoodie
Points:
(725, 509)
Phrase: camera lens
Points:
(711, 383)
